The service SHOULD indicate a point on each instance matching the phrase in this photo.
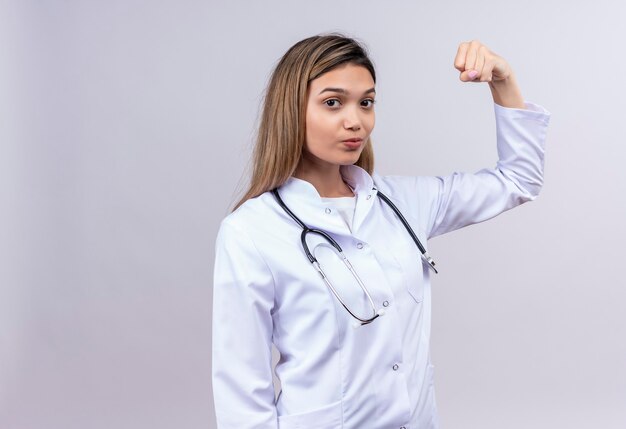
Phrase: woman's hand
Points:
(478, 64)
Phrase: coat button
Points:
(385, 303)
(359, 245)
(402, 427)
(328, 211)
(368, 197)
(395, 367)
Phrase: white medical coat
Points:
(265, 290)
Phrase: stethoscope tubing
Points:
(306, 230)
(403, 220)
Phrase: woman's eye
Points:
(332, 102)
(367, 103)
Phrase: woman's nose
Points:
(352, 119)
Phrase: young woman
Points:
(327, 260)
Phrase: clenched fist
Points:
(478, 64)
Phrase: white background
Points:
(126, 128)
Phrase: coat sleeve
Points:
(462, 199)
(243, 299)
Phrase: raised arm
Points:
(445, 203)
(464, 199)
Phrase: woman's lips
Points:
(353, 143)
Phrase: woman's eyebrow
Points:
(343, 91)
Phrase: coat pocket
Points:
(414, 269)
(326, 417)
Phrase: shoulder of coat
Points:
(251, 213)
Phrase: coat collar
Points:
(304, 200)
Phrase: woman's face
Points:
(339, 116)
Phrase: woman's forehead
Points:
(348, 79)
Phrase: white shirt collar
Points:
(355, 176)
(304, 200)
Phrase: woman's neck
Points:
(328, 182)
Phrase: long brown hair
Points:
(282, 129)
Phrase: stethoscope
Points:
(306, 230)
